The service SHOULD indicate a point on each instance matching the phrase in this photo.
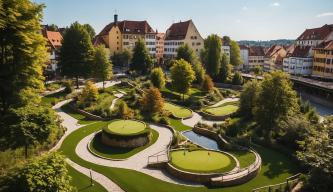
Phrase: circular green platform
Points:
(202, 161)
(222, 110)
(125, 127)
(178, 111)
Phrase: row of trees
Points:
(283, 119)
(24, 120)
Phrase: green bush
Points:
(164, 121)
(68, 86)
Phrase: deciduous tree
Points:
(237, 79)
(199, 71)
(182, 76)
(248, 99)
(235, 58)
(76, 53)
(124, 111)
(225, 69)
(157, 78)
(207, 84)
(89, 94)
(212, 55)
(102, 65)
(186, 53)
(152, 101)
(90, 30)
(22, 52)
(141, 60)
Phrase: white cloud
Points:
(238, 21)
(244, 8)
(325, 14)
(276, 4)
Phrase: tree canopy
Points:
(235, 58)
(225, 69)
(248, 99)
(157, 78)
(102, 66)
(90, 30)
(76, 53)
(207, 84)
(141, 60)
(152, 101)
(22, 52)
(182, 76)
(186, 53)
(212, 55)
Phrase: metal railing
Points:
(288, 185)
(156, 158)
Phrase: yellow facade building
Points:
(323, 60)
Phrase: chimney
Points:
(115, 19)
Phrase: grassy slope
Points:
(54, 98)
(223, 110)
(276, 168)
(178, 125)
(118, 153)
(81, 118)
(245, 158)
(177, 111)
(82, 182)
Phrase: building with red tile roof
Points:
(273, 59)
(120, 35)
(160, 46)
(54, 40)
(179, 34)
(323, 60)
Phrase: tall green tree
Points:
(317, 154)
(276, 101)
(225, 69)
(152, 101)
(52, 27)
(76, 53)
(235, 58)
(237, 79)
(47, 173)
(248, 99)
(22, 52)
(212, 55)
(186, 53)
(182, 76)
(226, 40)
(90, 30)
(102, 65)
(157, 78)
(31, 125)
(141, 60)
(199, 71)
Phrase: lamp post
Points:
(91, 179)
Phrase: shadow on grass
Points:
(276, 162)
(97, 145)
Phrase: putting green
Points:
(177, 111)
(202, 161)
(125, 127)
(222, 110)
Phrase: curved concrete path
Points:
(137, 162)
(196, 118)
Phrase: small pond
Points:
(201, 140)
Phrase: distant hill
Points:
(267, 43)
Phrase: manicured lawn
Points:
(221, 110)
(125, 127)
(170, 94)
(178, 125)
(275, 169)
(54, 98)
(81, 118)
(177, 111)
(81, 182)
(202, 161)
(118, 153)
(245, 158)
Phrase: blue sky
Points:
(240, 19)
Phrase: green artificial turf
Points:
(202, 161)
(245, 158)
(118, 153)
(177, 111)
(81, 182)
(221, 110)
(81, 118)
(125, 127)
(178, 125)
(276, 168)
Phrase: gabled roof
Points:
(326, 45)
(98, 40)
(53, 37)
(301, 51)
(256, 51)
(129, 27)
(177, 31)
(272, 50)
(160, 36)
(243, 47)
(316, 33)
(290, 49)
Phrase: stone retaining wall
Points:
(189, 176)
(133, 142)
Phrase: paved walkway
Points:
(99, 178)
(114, 101)
(137, 162)
(196, 118)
